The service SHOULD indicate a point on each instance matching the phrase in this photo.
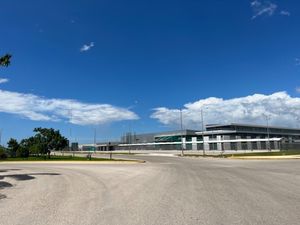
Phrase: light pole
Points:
(202, 131)
(267, 117)
(181, 127)
(70, 130)
(95, 133)
(70, 143)
(298, 120)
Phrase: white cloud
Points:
(285, 13)
(298, 90)
(87, 47)
(261, 8)
(282, 108)
(42, 109)
(3, 80)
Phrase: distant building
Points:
(74, 146)
(104, 146)
(215, 137)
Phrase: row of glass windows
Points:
(255, 129)
(214, 137)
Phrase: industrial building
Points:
(215, 137)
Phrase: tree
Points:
(32, 145)
(35, 149)
(49, 139)
(3, 154)
(42, 143)
(5, 60)
(13, 147)
(22, 152)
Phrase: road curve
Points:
(163, 191)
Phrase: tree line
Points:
(42, 143)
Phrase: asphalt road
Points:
(163, 191)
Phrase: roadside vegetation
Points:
(280, 153)
(40, 145)
(58, 158)
(272, 153)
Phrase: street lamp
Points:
(0, 136)
(181, 127)
(202, 131)
(95, 134)
(268, 117)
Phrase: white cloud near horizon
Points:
(87, 47)
(261, 8)
(3, 80)
(281, 107)
(38, 108)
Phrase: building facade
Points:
(215, 137)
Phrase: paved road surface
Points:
(164, 191)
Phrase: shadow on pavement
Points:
(19, 177)
(2, 196)
(4, 184)
(29, 176)
(6, 170)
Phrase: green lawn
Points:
(59, 158)
(291, 152)
(116, 153)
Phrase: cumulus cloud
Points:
(281, 107)
(42, 109)
(261, 8)
(87, 47)
(285, 13)
(3, 80)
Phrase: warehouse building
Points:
(216, 137)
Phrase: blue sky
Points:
(131, 65)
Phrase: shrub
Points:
(22, 152)
(3, 154)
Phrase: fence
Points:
(290, 146)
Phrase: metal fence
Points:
(290, 146)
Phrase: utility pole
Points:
(70, 138)
(0, 137)
(95, 134)
(181, 127)
(268, 131)
(70, 142)
(202, 131)
(130, 137)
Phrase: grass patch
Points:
(227, 155)
(201, 155)
(281, 153)
(116, 153)
(59, 158)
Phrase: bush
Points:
(3, 154)
(22, 152)
(34, 149)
